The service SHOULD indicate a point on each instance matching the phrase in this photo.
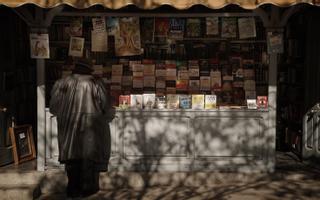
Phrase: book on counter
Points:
(161, 102)
(262, 102)
(197, 101)
(149, 101)
(136, 101)
(252, 103)
(210, 102)
(172, 101)
(124, 101)
(185, 101)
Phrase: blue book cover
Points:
(185, 101)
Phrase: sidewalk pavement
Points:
(292, 180)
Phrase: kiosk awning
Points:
(150, 4)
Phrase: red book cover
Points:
(124, 101)
(262, 101)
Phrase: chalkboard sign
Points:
(22, 143)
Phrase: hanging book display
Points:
(127, 42)
(173, 63)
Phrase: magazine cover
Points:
(136, 101)
(193, 27)
(147, 25)
(76, 27)
(185, 101)
(210, 102)
(212, 25)
(161, 27)
(149, 101)
(176, 30)
(194, 85)
(124, 101)
(39, 44)
(127, 42)
(113, 26)
(247, 27)
(197, 101)
(262, 102)
(172, 101)
(228, 27)
(76, 46)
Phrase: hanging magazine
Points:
(161, 27)
(76, 46)
(147, 27)
(212, 25)
(247, 27)
(193, 27)
(177, 28)
(39, 44)
(76, 27)
(113, 26)
(99, 24)
(99, 41)
(127, 42)
(229, 27)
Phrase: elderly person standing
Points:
(81, 104)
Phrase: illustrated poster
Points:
(127, 42)
(39, 45)
(76, 46)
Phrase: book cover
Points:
(149, 101)
(185, 101)
(182, 85)
(193, 27)
(161, 102)
(216, 80)
(205, 83)
(161, 27)
(228, 27)
(137, 82)
(76, 46)
(172, 101)
(262, 102)
(247, 27)
(117, 70)
(183, 74)
(194, 85)
(136, 101)
(197, 101)
(127, 42)
(249, 74)
(147, 25)
(194, 71)
(210, 102)
(252, 103)
(148, 69)
(176, 30)
(149, 81)
(124, 101)
(212, 25)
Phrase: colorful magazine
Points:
(149, 101)
(161, 27)
(210, 102)
(197, 101)
(185, 101)
(124, 101)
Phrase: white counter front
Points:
(184, 140)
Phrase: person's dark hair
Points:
(83, 66)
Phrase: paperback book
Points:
(136, 101)
(172, 101)
(210, 102)
(149, 101)
(185, 101)
(197, 101)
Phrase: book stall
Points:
(193, 84)
(187, 91)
